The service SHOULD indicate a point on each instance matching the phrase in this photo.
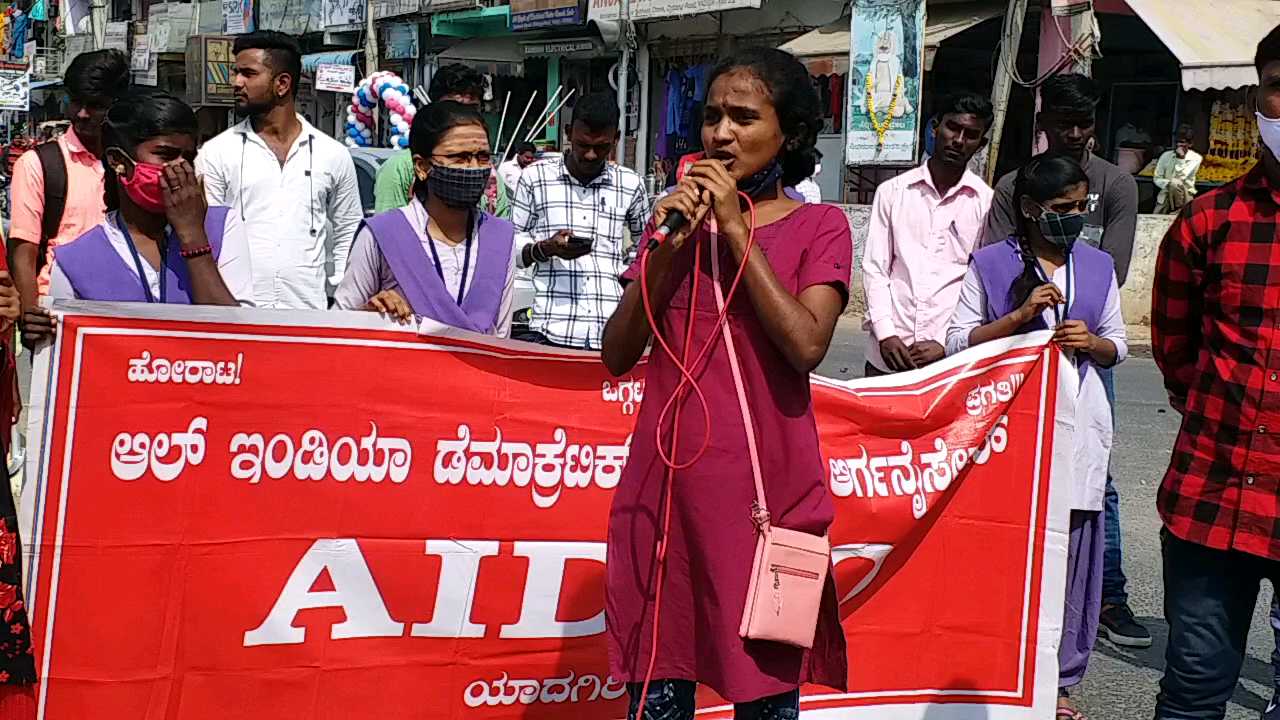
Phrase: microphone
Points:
(675, 219)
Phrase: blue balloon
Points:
(403, 141)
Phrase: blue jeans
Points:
(1209, 596)
(1113, 580)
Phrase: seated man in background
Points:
(1176, 174)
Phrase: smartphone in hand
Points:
(579, 242)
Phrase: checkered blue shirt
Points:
(575, 298)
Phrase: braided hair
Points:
(1041, 180)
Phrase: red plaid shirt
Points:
(1215, 309)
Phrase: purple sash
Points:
(97, 272)
(1000, 264)
(423, 287)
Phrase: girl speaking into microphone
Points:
(715, 429)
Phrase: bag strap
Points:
(760, 510)
(54, 168)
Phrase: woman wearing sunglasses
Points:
(438, 258)
(1039, 279)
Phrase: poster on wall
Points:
(117, 36)
(15, 87)
(653, 9)
(335, 78)
(886, 59)
(343, 13)
(237, 16)
(400, 41)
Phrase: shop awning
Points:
(336, 57)
(1213, 41)
(505, 49)
(941, 22)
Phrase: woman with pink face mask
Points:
(159, 242)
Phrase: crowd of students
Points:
(125, 207)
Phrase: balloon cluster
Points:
(394, 94)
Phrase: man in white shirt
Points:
(526, 154)
(1176, 174)
(293, 186)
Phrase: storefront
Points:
(1200, 74)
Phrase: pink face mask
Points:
(144, 187)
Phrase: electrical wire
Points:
(688, 379)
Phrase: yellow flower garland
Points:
(880, 127)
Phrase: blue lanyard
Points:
(466, 260)
(1071, 281)
(137, 261)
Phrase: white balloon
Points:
(396, 119)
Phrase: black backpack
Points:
(54, 168)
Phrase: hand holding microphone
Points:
(679, 214)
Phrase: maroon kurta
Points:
(712, 541)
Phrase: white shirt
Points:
(300, 217)
(510, 172)
(1183, 169)
(1092, 453)
(808, 188)
(233, 262)
(369, 274)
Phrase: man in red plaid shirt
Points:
(1216, 335)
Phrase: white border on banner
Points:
(1053, 576)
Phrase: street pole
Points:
(1006, 66)
(370, 41)
(624, 38)
(642, 130)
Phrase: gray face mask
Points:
(1061, 229)
(458, 187)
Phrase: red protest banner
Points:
(234, 519)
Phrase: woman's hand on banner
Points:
(391, 304)
(38, 326)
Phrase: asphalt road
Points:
(1122, 684)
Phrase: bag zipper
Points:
(794, 572)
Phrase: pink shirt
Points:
(916, 255)
(85, 207)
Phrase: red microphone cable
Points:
(673, 403)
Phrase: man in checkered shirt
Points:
(577, 219)
(1215, 333)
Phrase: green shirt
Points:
(395, 180)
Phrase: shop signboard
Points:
(565, 47)
(534, 14)
(210, 59)
(611, 10)
(15, 87)
(335, 78)
(886, 60)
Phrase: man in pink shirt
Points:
(924, 225)
(93, 81)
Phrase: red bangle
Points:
(197, 252)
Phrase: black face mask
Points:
(458, 187)
(761, 181)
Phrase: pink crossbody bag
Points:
(789, 572)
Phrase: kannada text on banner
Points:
(317, 520)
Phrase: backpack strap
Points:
(54, 167)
